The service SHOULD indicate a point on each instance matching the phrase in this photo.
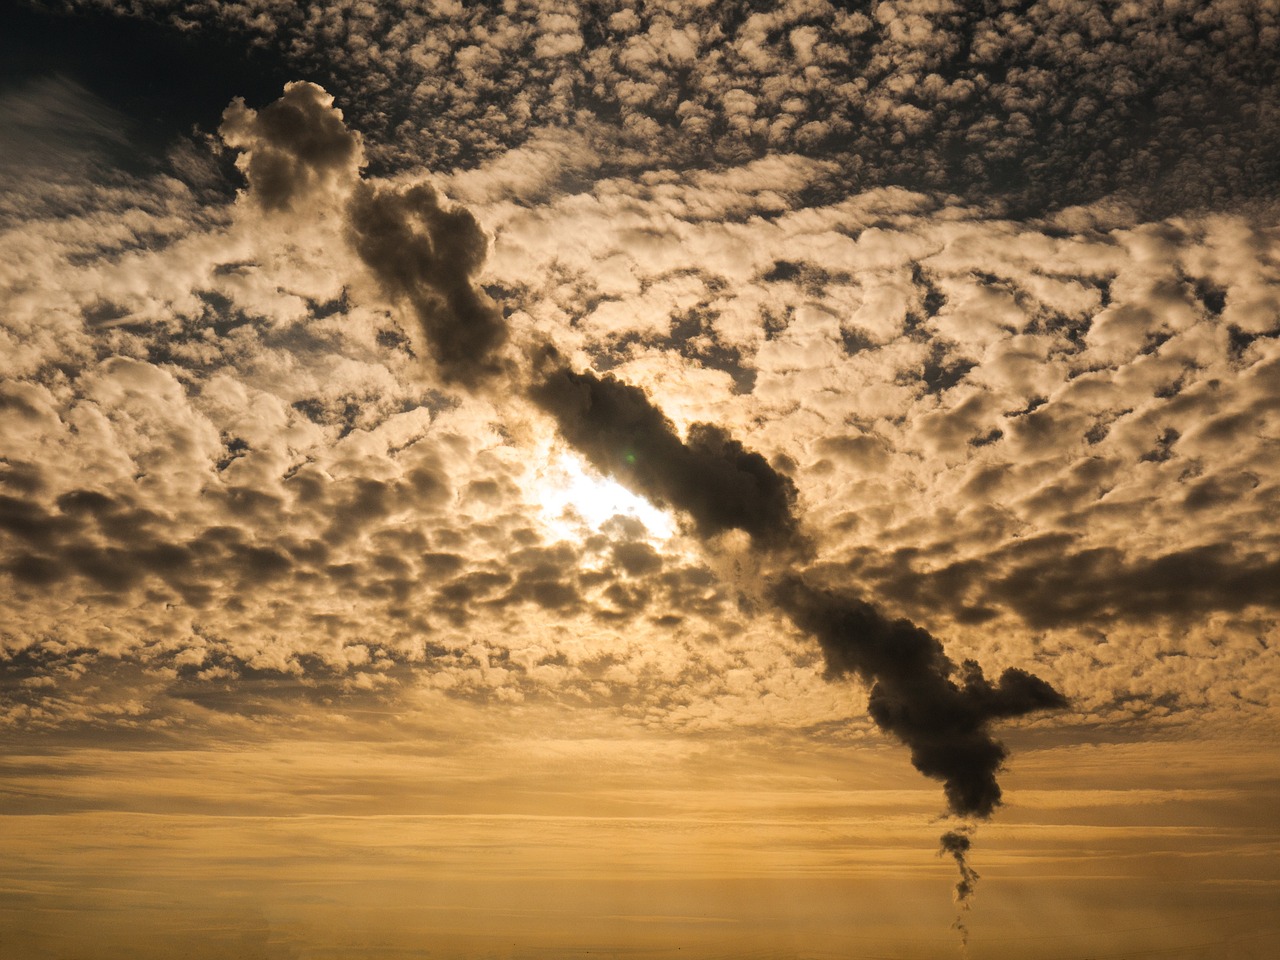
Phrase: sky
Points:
(627, 479)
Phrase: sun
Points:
(573, 495)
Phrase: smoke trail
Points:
(428, 254)
(941, 712)
(956, 843)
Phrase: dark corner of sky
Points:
(151, 83)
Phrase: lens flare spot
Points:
(573, 495)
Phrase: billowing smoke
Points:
(709, 475)
(428, 254)
(941, 712)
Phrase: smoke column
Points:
(957, 843)
(427, 254)
(941, 712)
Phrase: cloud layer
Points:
(1170, 106)
(280, 448)
(606, 441)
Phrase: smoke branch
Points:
(940, 712)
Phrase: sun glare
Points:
(574, 495)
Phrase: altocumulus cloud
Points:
(927, 321)
(1046, 105)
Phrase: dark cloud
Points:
(454, 599)
(942, 713)
(19, 475)
(709, 475)
(1091, 585)
(57, 685)
(250, 545)
(428, 254)
(439, 564)
(546, 576)
(690, 590)
(55, 126)
(637, 558)
(1050, 581)
(29, 520)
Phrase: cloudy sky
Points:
(649, 479)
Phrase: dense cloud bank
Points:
(1035, 106)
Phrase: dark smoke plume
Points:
(943, 714)
(956, 843)
(428, 254)
(710, 476)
